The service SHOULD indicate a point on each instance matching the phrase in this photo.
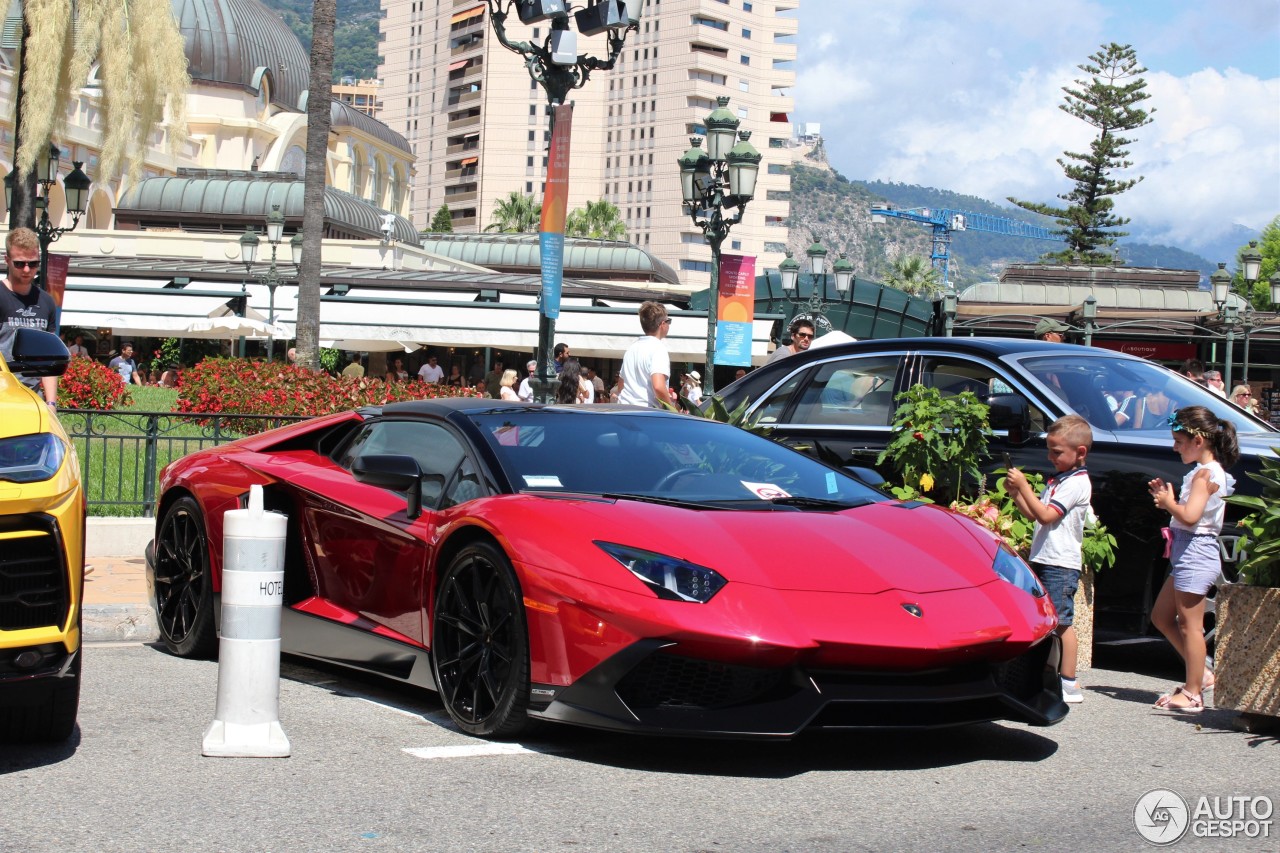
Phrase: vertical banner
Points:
(554, 202)
(56, 269)
(737, 308)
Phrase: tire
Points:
(184, 588)
(480, 644)
(52, 718)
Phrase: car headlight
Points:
(667, 577)
(1014, 569)
(30, 458)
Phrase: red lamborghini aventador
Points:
(616, 568)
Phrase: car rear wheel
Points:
(480, 644)
(184, 589)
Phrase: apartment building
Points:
(360, 94)
(479, 127)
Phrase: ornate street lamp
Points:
(75, 185)
(558, 68)
(1250, 268)
(249, 242)
(815, 306)
(711, 181)
(1229, 313)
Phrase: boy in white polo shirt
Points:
(1060, 514)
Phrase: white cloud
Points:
(969, 101)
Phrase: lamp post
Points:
(272, 278)
(815, 306)
(558, 68)
(1250, 267)
(723, 176)
(1228, 313)
(1090, 316)
(76, 185)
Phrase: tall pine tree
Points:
(1109, 100)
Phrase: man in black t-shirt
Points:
(23, 305)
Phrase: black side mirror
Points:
(395, 472)
(1012, 413)
(38, 353)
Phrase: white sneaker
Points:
(1072, 694)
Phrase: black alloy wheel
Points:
(184, 589)
(480, 644)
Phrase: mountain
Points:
(829, 207)
(355, 35)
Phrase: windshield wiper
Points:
(816, 503)
(654, 499)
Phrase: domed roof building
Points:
(246, 113)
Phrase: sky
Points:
(965, 96)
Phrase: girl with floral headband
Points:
(1196, 515)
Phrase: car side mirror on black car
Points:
(1010, 412)
(38, 353)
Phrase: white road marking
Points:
(470, 750)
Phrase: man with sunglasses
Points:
(23, 305)
(801, 337)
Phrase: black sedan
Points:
(838, 401)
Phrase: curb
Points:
(116, 623)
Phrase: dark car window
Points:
(437, 451)
(771, 411)
(856, 391)
(1142, 393)
(952, 375)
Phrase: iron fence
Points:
(121, 454)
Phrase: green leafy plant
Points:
(330, 360)
(937, 443)
(1261, 539)
(170, 353)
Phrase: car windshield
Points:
(1128, 395)
(679, 459)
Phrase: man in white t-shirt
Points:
(431, 372)
(646, 365)
(525, 393)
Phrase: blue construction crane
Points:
(945, 220)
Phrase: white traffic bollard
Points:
(247, 720)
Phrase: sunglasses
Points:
(26, 265)
(803, 335)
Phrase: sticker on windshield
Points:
(831, 482)
(765, 491)
(542, 481)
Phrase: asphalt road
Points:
(382, 769)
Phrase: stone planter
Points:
(1248, 650)
(1083, 621)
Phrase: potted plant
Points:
(1248, 643)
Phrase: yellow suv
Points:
(42, 522)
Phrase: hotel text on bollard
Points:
(247, 720)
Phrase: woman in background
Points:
(507, 390)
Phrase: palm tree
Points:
(319, 99)
(117, 34)
(915, 275)
(515, 214)
(601, 220)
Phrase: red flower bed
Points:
(238, 386)
(90, 385)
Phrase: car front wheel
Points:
(480, 644)
(184, 589)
